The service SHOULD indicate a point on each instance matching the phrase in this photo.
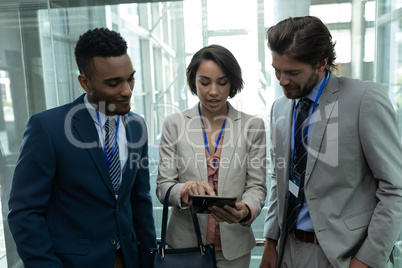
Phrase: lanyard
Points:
(115, 137)
(206, 139)
(308, 119)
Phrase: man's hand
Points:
(355, 263)
(269, 256)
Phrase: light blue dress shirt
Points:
(303, 219)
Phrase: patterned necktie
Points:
(295, 203)
(112, 155)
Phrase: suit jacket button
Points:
(113, 242)
(117, 208)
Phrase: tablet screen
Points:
(201, 203)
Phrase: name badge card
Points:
(294, 183)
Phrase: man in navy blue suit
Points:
(80, 196)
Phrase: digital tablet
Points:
(201, 203)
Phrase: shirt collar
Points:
(313, 93)
(92, 112)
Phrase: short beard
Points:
(305, 90)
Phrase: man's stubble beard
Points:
(302, 91)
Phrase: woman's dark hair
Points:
(225, 59)
(306, 39)
(99, 42)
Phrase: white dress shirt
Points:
(121, 134)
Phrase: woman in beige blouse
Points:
(214, 149)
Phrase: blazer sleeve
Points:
(142, 208)
(168, 172)
(255, 190)
(29, 197)
(382, 148)
(271, 226)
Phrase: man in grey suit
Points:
(336, 184)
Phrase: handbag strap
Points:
(197, 229)
(165, 218)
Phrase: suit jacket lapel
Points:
(84, 126)
(233, 130)
(328, 108)
(135, 139)
(283, 131)
(127, 169)
(196, 139)
(287, 132)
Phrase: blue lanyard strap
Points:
(206, 139)
(296, 147)
(115, 137)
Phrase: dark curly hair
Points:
(306, 39)
(225, 59)
(99, 42)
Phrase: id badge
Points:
(294, 183)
